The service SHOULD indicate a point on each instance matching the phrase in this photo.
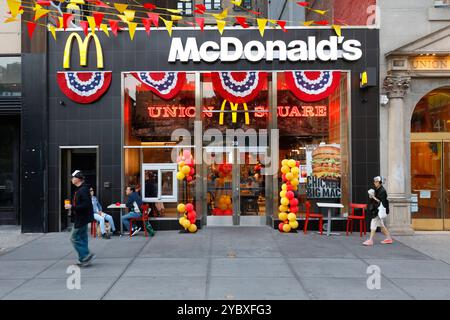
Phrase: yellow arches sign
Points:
(83, 46)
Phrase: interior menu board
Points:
(323, 164)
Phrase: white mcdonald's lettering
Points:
(169, 111)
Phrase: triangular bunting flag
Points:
(104, 28)
(10, 19)
(175, 18)
(262, 25)
(322, 22)
(60, 22)
(221, 16)
(73, 6)
(303, 3)
(52, 31)
(120, 7)
(337, 29)
(66, 19)
(91, 22)
(40, 12)
(173, 10)
(14, 7)
(200, 8)
(77, 1)
(85, 26)
(221, 25)
(129, 14)
(147, 22)
(237, 2)
(200, 22)
(169, 25)
(132, 29)
(308, 23)
(114, 26)
(43, 3)
(149, 6)
(322, 12)
(242, 21)
(154, 17)
(98, 17)
(282, 24)
(31, 26)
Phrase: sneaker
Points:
(88, 260)
(387, 241)
(368, 243)
(135, 231)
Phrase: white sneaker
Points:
(135, 231)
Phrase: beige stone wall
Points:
(9, 33)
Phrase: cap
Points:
(378, 178)
(78, 174)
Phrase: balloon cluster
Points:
(224, 207)
(187, 221)
(224, 170)
(289, 204)
(186, 167)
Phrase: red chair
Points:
(145, 208)
(94, 228)
(353, 216)
(314, 216)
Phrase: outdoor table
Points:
(121, 206)
(329, 206)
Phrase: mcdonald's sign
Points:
(83, 46)
(234, 108)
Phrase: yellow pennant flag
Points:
(77, 1)
(40, 12)
(262, 25)
(120, 7)
(322, 12)
(123, 18)
(221, 16)
(14, 7)
(104, 28)
(52, 30)
(10, 20)
(308, 23)
(175, 18)
(91, 22)
(169, 25)
(337, 29)
(221, 25)
(173, 10)
(273, 21)
(61, 22)
(237, 2)
(132, 29)
(73, 6)
(129, 14)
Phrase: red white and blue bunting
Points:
(84, 86)
(238, 87)
(164, 84)
(311, 86)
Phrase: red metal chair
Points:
(94, 228)
(145, 209)
(314, 216)
(353, 216)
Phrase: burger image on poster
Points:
(326, 162)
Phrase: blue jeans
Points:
(79, 239)
(101, 221)
(125, 219)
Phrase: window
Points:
(213, 4)
(10, 77)
(159, 183)
(185, 6)
(247, 4)
(441, 3)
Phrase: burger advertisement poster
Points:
(323, 165)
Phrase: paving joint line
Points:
(209, 267)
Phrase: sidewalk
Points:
(227, 263)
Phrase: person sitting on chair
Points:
(101, 217)
(134, 203)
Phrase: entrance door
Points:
(430, 182)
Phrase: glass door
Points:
(446, 184)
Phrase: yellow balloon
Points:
(180, 175)
(186, 223)
(192, 228)
(284, 201)
(289, 176)
(295, 170)
(181, 220)
(291, 216)
(284, 186)
(186, 170)
(228, 201)
(295, 182)
(282, 216)
(292, 163)
(285, 169)
(181, 208)
(283, 208)
(283, 194)
(284, 162)
(294, 188)
(293, 224)
(181, 164)
(287, 227)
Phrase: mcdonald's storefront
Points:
(230, 107)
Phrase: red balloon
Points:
(284, 177)
(191, 173)
(280, 226)
(228, 212)
(189, 207)
(293, 202)
(191, 215)
(290, 195)
(293, 209)
(189, 178)
(290, 187)
(297, 163)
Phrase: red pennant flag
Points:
(256, 13)
(154, 17)
(200, 22)
(322, 22)
(114, 26)
(85, 27)
(199, 11)
(31, 26)
(43, 3)
(201, 7)
(282, 24)
(98, 3)
(303, 3)
(98, 17)
(149, 6)
(242, 21)
(66, 18)
(147, 22)
(189, 23)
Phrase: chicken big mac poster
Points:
(323, 164)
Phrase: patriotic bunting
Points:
(238, 87)
(84, 86)
(165, 85)
(311, 86)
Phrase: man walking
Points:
(83, 214)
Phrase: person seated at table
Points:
(101, 216)
(134, 203)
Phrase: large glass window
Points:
(10, 77)
(432, 113)
(185, 6)
(213, 4)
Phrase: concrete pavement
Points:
(224, 263)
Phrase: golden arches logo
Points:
(83, 46)
(234, 108)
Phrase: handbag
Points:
(382, 211)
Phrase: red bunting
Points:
(199, 12)
(242, 21)
(200, 22)
(31, 26)
(114, 26)
(66, 19)
(154, 17)
(98, 3)
(85, 26)
(98, 17)
(149, 6)
(303, 3)
(282, 24)
(321, 22)
(201, 7)
(147, 22)
(43, 3)
(256, 13)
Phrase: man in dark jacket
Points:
(83, 214)
(134, 203)
(379, 196)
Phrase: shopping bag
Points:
(382, 211)
(149, 228)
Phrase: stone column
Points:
(399, 220)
